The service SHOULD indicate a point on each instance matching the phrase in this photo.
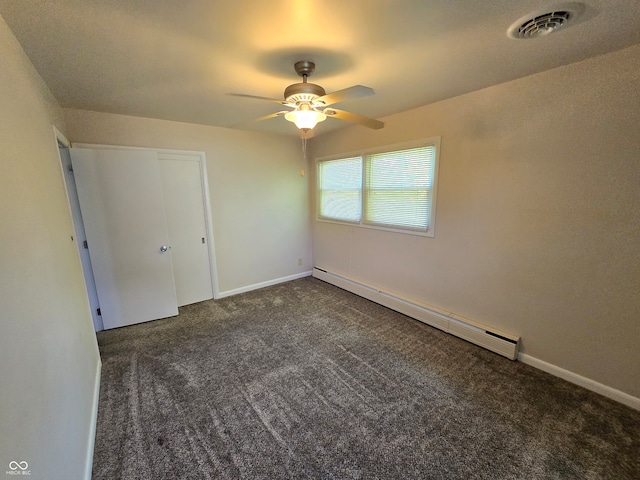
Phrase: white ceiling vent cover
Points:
(544, 22)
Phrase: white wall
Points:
(259, 200)
(49, 360)
(538, 216)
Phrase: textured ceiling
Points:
(177, 60)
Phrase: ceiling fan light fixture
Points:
(306, 118)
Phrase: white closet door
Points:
(122, 204)
(185, 211)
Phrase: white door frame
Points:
(72, 198)
(200, 156)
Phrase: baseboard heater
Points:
(499, 342)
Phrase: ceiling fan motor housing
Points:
(303, 92)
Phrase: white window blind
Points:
(398, 188)
(340, 189)
(390, 190)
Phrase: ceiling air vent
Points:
(538, 24)
(543, 24)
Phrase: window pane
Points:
(340, 189)
(398, 188)
(399, 209)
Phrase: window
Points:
(340, 183)
(382, 189)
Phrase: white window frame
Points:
(430, 232)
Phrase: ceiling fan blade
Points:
(255, 97)
(271, 115)
(247, 123)
(350, 93)
(354, 118)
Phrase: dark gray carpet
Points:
(304, 380)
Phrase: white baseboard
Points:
(94, 422)
(268, 283)
(587, 383)
(499, 342)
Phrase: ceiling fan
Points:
(308, 102)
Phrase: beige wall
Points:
(259, 200)
(538, 215)
(48, 353)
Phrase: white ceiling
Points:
(177, 60)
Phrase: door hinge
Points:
(85, 244)
(99, 312)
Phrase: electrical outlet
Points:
(299, 261)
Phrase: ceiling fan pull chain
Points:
(304, 145)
